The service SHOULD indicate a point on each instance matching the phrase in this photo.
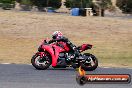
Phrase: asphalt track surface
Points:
(26, 76)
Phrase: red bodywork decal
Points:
(54, 53)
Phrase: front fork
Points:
(41, 54)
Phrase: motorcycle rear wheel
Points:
(89, 67)
(41, 63)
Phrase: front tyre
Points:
(91, 62)
(41, 63)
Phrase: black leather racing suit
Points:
(71, 46)
(64, 39)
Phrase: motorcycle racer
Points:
(57, 36)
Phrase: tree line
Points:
(124, 5)
(28, 4)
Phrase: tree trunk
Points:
(102, 12)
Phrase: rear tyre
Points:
(90, 65)
(41, 63)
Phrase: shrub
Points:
(125, 5)
(78, 3)
(7, 4)
(47, 3)
(25, 2)
(54, 4)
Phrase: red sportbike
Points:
(59, 55)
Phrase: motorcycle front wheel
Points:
(41, 63)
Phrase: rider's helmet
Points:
(57, 35)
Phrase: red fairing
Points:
(85, 47)
(53, 52)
